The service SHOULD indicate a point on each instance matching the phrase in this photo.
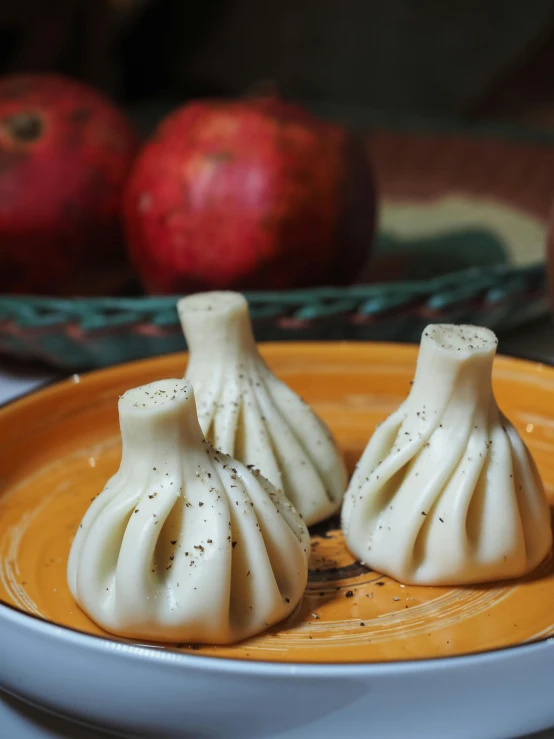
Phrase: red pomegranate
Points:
(250, 194)
(65, 152)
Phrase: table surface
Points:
(19, 721)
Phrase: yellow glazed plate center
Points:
(59, 446)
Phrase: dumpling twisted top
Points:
(247, 412)
(446, 491)
(185, 543)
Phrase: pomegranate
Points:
(65, 152)
(248, 194)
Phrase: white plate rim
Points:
(228, 665)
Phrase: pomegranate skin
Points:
(249, 194)
(65, 152)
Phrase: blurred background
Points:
(457, 58)
(397, 156)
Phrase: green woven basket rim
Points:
(494, 283)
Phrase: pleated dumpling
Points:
(446, 491)
(247, 412)
(184, 543)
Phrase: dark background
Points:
(429, 57)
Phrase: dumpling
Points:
(184, 543)
(245, 411)
(446, 493)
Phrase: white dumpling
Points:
(184, 543)
(446, 491)
(247, 412)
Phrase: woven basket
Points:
(77, 334)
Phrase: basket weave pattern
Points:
(84, 333)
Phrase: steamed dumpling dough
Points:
(446, 491)
(185, 543)
(245, 411)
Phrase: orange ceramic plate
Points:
(58, 447)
